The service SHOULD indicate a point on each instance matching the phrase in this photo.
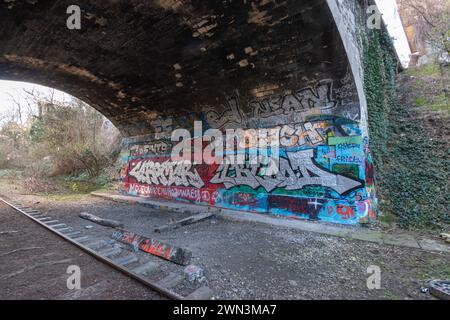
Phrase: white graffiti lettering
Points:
(167, 173)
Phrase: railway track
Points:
(113, 254)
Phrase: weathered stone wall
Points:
(136, 61)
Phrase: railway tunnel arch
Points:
(154, 66)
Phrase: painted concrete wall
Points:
(151, 67)
(325, 170)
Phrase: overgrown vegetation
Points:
(61, 147)
(409, 141)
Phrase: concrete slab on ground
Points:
(352, 232)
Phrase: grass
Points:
(441, 103)
(421, 101)
(428, 70)
(414, 176)
(429, 85)
(74, 191)
(106, 188)
(11, 173)
(68, 197)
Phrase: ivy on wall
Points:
(411, 170)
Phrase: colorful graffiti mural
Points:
(324, 171)
(154, 247)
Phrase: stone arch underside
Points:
(154, 66)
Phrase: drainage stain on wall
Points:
(287, 66)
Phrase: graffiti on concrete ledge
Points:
(154, 247)
(231, 115)
(302, 100)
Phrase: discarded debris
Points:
(37, 265)
(19, 250)
(445, 237)
(8, 232)
(424, 290)
(101, 221)
(155, 247)
(88, 226)
(186, 221)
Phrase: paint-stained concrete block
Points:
(202, 293)
(404, 240)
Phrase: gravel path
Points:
(244, 260)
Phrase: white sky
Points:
(391, 18)
(15, 88)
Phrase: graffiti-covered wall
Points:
(290, 76)
(324, 172)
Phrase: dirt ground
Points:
(241, 260)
